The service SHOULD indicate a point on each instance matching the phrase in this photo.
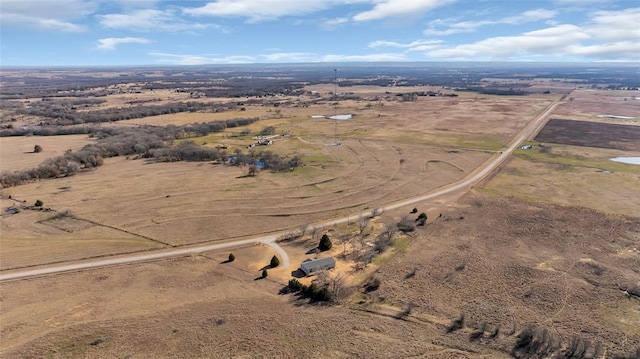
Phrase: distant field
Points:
(391, 150)
(183, 202)
(591, 134)
(16, 153)
(587, 104)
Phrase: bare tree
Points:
(385, 238)
(406, 225)
(363, 223)
(303, 229)
(252, 170)
(344, 239)
(336, 287)
(315, 231)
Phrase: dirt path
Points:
(463, 185)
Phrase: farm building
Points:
(310, 266)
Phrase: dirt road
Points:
(463, 185)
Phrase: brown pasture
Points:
(181, 203)
(201, 306)
(16, 153)
(511, 263)
(477, 259)
(500, 256)
(586, 105)
(390, 151)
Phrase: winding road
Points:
(464, 184)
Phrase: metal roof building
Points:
(311, 266)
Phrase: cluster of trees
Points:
(51, 130)
(324, 288)
(147, 142)
(68, 115)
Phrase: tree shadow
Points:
(298, 273)
(314, 250)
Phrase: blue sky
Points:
(193, 32)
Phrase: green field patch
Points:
(478, 142)
(564, 161)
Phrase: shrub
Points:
(372, 284)
(275, 261)
(265, 274)
(295, 285)
(37, 149)
(422, 216)
(316, 293)
(325, 243)
(456, 324)
(414, 210)
(39, 203)
(231, 257)
(406, 225)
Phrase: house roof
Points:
(313, 264)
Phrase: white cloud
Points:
(396, 8)
(471, 26)
(45, 15)
(334, 23)
(290, 57)
(414, 44)
(616, 25)
(608, 35)
(261, 10)
(177, 59)
(110, 43)
(283, 57)
(362, 58)
(150, 20)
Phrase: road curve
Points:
(466, 183)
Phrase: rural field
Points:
(540, 258)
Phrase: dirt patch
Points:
(591, 134)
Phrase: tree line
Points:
(65, 115)
(152, 142)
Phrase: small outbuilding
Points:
(310, 266)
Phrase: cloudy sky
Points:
(194, 32)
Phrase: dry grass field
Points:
(586, 105)
(549, 241)
(16, 153)
(539, 264)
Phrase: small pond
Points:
(629, 160)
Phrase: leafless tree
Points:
(385, 238)
(406, 224)
(344, 239)
(303, 229)
(315, 231)
(363, 223)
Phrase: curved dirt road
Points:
(463, 185)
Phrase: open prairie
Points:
(505, 262)
(546, 248)
(391, 151)
(16, 153)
